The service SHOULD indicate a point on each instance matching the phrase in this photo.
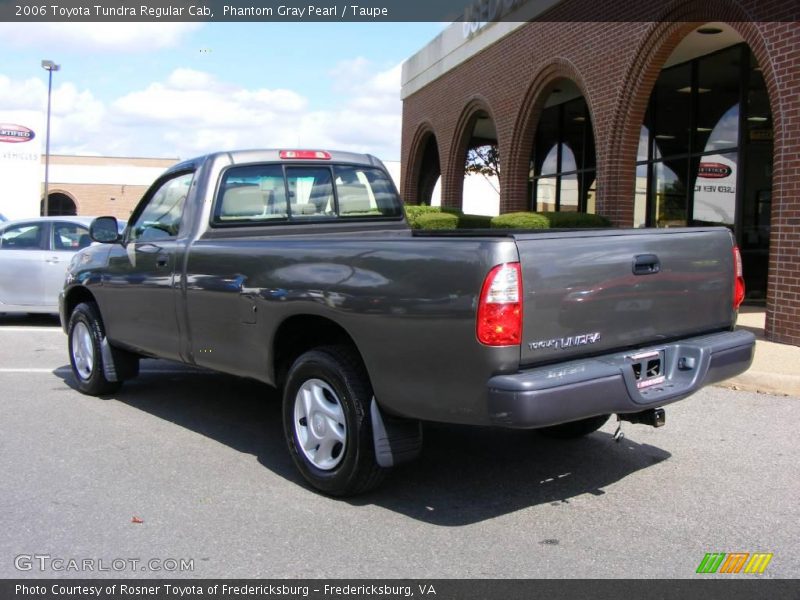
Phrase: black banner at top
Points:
(472, 11)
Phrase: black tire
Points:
(574, 429)
(85, 321)
(336, 375)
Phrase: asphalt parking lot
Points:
(199, 459)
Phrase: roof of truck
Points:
(282, 155)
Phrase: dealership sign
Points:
(21, 172)
(715, 190)
(14, 134)
(714, 170)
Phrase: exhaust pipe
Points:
(655, 417)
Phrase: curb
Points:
(762, 382)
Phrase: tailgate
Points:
(588, 292)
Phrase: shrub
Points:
(450, 210)
(439, 220)
(571, 220)
(520, 220)
(413, 212)
(474, 222)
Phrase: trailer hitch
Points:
(655, 417)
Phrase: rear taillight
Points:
(738, 273)
(500, 307)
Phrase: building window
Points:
(705, 154)
(563, 165)
(689, 146)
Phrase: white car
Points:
(34, 256)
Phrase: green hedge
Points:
(520, 220)
(434, 220)
(450, 210)
(414, 212)
(571, 220)
(474, 222)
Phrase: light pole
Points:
(49, 66)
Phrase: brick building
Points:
(100, 185)
(688, 114)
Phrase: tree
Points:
(484, 160)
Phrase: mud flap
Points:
(397, 440)
(118, 365)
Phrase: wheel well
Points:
(74, 297)
(301, 333)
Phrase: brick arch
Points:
(659, 43)
(679, 20)
(54, 191)
(418, 178)
(453, 173)
(514, 177)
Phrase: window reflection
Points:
(715, 190)
(550, 164)
(564, 159)
(725, 133)
(692, 122)
(546, 193)
(644, 140)
(717, 121)
(640, 198)
(669, 190)
(591, 193)
(672, 104)
(569, 192)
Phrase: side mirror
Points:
(104, 230)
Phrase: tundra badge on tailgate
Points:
(566, 342)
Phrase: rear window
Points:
(269, 193)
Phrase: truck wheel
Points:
(574, 429)
(327, 424)
(85, 334)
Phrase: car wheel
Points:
(574, 429)
(85, 334)
(327, 422)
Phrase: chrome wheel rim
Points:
(82, 351)
(319, 424)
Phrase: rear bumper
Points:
(607, 384)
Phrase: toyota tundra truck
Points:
(298, 269)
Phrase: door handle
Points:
(646, 264)
(162, 262)
(148, 248)
(54, 260)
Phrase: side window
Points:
(161, 217)
(70, 236)
(365, 192)
(251, 193)
(25, 236)
(310, 192)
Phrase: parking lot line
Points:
(18, 328)
(67, 370)
(38, 370)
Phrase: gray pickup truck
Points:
(298, 269)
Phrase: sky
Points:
(178, 90)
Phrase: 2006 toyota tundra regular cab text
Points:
(298, 269)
